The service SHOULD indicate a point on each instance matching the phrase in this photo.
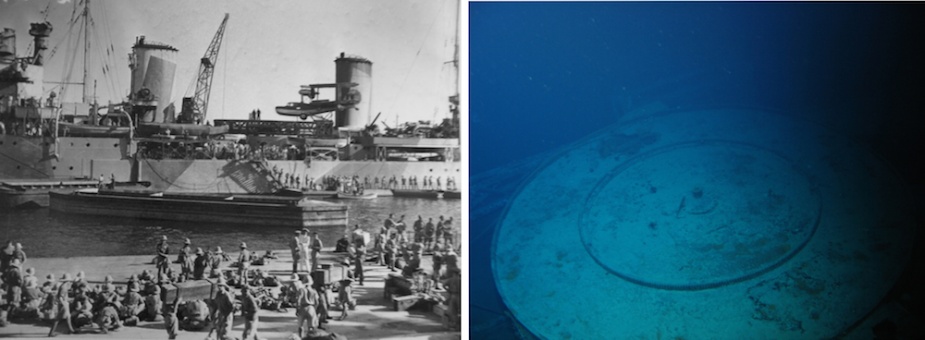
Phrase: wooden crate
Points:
(402, 303)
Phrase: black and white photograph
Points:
(231, 169)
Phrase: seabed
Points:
(720, 224)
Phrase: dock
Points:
(374, 317)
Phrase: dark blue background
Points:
(543, 75)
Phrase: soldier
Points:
(13, 280)
(308, 299)
(419, 230)
(249, 308)
(379, 247)
(388, 223)
(224, 310)
(19, 254)
(400, 226)
(316, 248)
(201, 265)
(171, 324)
(294, 247)
(62, 303)
(345, 296)
(244, 262)
(163, 249)
(186, 261)
(108, 301)
(360, 256)
(453, 286)
(437, 264)
(391, 248)
(153, 305)
(438, 231)
(132, 305)
(429, 234)
(449, 234)
(6, 255)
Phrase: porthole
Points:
(88, 145)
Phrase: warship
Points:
(143, 139)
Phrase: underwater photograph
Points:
(704, 170)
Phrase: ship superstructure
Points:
(145, 138)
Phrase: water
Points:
(47, 234)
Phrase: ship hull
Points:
(201, 209)
(41, 158)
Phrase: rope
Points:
(416, 55)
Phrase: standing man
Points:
(438, 232)
(400, 226)
(64, 306)
(171, 324)
(391, 247)
(294, 247)
(308, 298)
(244, 262)
(249, 308)
(379, 247)
(6, 256)
(388, 224)
(419, 230)
(201, 265)
(163, 249)
(360, 248)
(305, 243)
(186, 261)
(429, 234)
(449, 234)
(316, 248)
(224, 310)
(13, 280)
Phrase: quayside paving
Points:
(374, 317)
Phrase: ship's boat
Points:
(411, 193)
(348, 196)
(84, 130)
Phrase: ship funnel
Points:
(7, 45)
(40, 32)
(354, 110)
(153, 68)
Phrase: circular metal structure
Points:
(706, 226)
(725, 224)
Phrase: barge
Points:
(256, 210)
(17, 194)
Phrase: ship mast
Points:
(86, 33)
(454, 99)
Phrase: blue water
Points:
(543, 75)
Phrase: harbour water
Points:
(47, 234)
